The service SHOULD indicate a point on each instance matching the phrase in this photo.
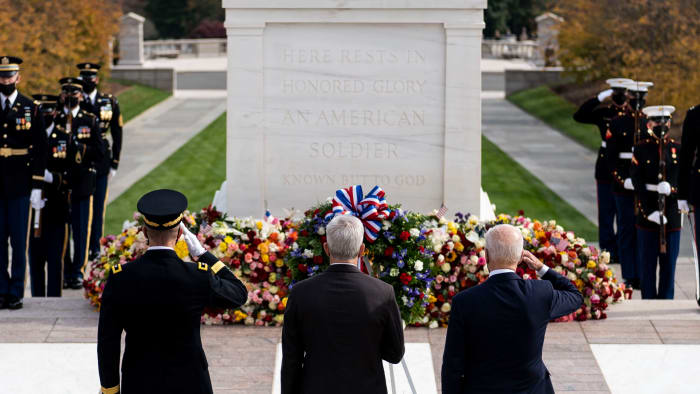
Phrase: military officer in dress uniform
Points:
(48, 245)
(158, 301)
(86, 152)
(592, 112)
(22, 165)
(654, 172)
(689, 178)
(624, 131)
(106, 108)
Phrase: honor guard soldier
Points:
(106, 108)
(689, 178)
(22, 165)
(624, 132)
(655, 170)
(85, 153)
(49, 239)
(163, 351)
(592, 112)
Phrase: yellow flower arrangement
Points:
(591, 264)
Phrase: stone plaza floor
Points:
(643, 347)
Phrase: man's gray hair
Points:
(344, 236)
(504, 244)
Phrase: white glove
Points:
(654, 217)
(628, 184)
(193, 245)
(35, 199)
(683, 206)
(664, 188)
(604, 94)
(48, 176)
(112, 172)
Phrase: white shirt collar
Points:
(74, 111)
(12, 98)
(160, 248)
(92, 96)
(49, 129)
(500, 271)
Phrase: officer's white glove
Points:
(112, 172)
(48, 176)
(193, 245)
(664, 188)
(654, 217)
(628, 184)
(35, 199)
(683, 206)
(604, 94)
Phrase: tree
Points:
(179, 18)
(53, 36)
(513, 15)
(648, 40)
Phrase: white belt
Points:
(652, 188)
(626, 155)
(603, 144)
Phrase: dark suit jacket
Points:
(496, 331)
(158, 300)
(338, 327)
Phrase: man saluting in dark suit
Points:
(158, 300)
(339, 325)
(509, 317)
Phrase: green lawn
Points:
(199, 167)
(546, 105)
(512, 188)
(138, 98)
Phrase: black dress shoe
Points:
(77, 284)
(14, 303)
(3, 302)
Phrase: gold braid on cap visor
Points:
(168, 224)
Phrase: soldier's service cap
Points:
(9, 66)
(659, 112)
(46, 101)
(88, 68)
(639, 86)
(162, 209)
(71, 84)
(618, 83)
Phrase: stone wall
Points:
(159, 78)
(517, 80)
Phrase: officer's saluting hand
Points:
(158, 299)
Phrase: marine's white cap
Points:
(659, 111)
(639, 86)
(618, 82)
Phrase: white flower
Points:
(473, 237)
(570, 236)
(564, 257)
(418, 265)
(273, 247)
(433, 324)
(414, 232)
(394, 272)
(473, 220)
(404, 299)
(308, 253)
(425, 319)
(586, 252)
(605, 257)
(441, 258)
(552, 223)
(571, 276)
(455, 238)
(445, 307)
(386, 225)
(442, 220)
(445, 267)
(321, 230)
(480, 243)
(295, 246)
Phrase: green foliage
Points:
(513, 15)
(546, 105)
(512, 188)
(178, 18)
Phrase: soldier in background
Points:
(22, 165)
(48, 245)
(655, 173)
(592, 112)
(106, 108)
(624, 133)
(689, 177)
(87, 150)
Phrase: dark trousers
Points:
(648, 245)
(630, 260)
(606, 219)
(14, 223)
(99, 205)
(46, 253)
(81, 222)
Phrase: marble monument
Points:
(324, 94)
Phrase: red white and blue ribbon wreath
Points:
(371, 209)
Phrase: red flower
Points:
(302, 268)
(318, 260)
(441, 298)
(405, 278)
(323, 239)
(388, 251)
(404, 235)
(304, 233)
